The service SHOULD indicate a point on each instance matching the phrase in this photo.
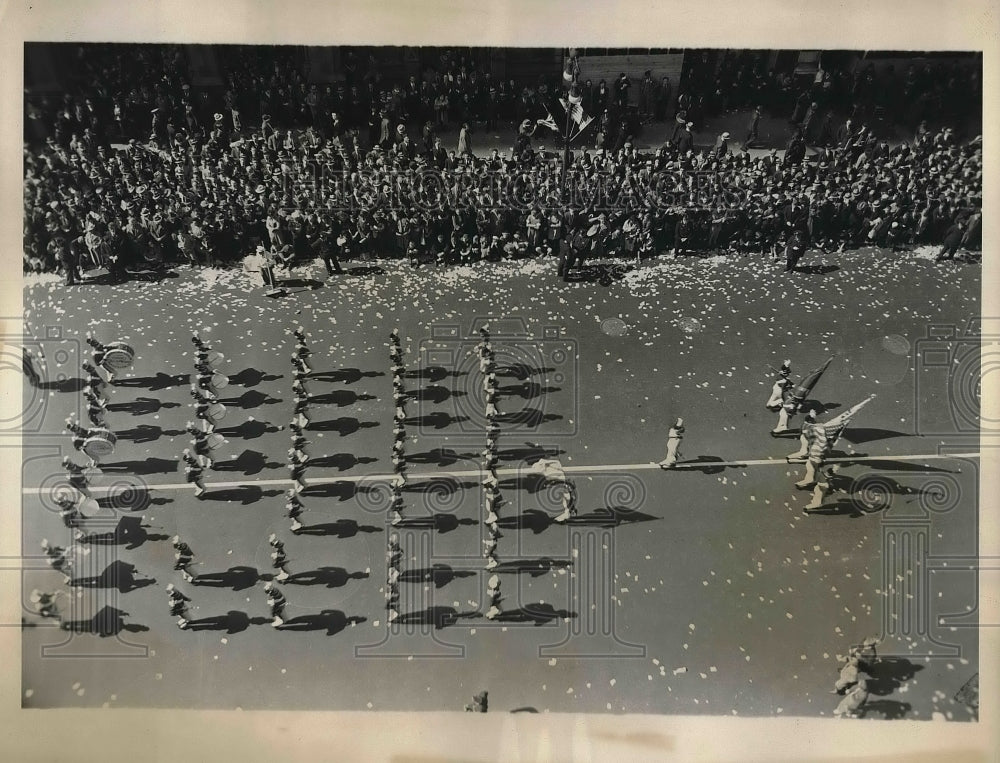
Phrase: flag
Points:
(836, 426)
(549, 122)
(575, 110)
(805, 387)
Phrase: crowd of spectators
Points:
(151, 180)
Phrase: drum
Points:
(214, 358)
(89, 506)
(216, 412)
(215, 440)
(119, 356)
(220, 381)
(100, 443)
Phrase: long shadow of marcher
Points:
(141, 406)
(521, 371)
(245, 494)
(248, 430)
(129, 531)
(233, 621)
(342, 528)
(705, 465)
(251, 377)
(610, 517)
(237, 578)
(343, 490)
(532, 417)
(76, 384)
(440, 486)
(842, 506)
(435, 394)
(340, 398)
(131, 498)
(817, 270)
(432, 374)
(146, 433)
(439, 617)
(442, 523)
(250, 399)
(109, 621)
(535, 520)
(533, 567)
(527, 390)
(333, 621)
(344, 375)
(439, 574)
(436, 420)
(896, 466)
(344, 426)
(342, 461)
(366, 270)
(118, 574)
(331, 577)
(889, 709)
(248, 462)
(441, 457)
(862, 435)
(149, 465)
(537, 613)
(887, 675)
(155, 383)
(529, 454)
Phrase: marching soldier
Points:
(45, 604)
(276, 601)
(396, 507)
(493, 592)
(200, 444)
(178, 606)
(490, 552)
(777, 397)
(816, 434)
(297, 470)
(69, 513)
(278, 558)
(100, 352)
(392, 601)
(568, 503)
(95, 383)
(58, 559)
(183, 558)
(674, 437)
(830, 483)
(800, 455)
(201, 406)
(76, 476)
(299, 441)
(95, 409)
(301, 348)
(301, 416)
(293, 509)
(193, 472)
(789, 407)
(394, 552)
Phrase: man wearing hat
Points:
(721, 147)
(752, 128)
(685, 139)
